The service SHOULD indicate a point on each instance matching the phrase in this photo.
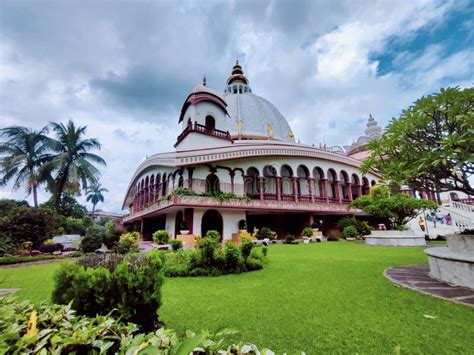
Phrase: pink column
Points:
(260, 185)
(338, 191)
(278, 187)
(324, 184)
(359, 190)
(295, 188)
(311, 188)
(349, 190)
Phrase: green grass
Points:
(318, 298)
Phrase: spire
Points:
(237, 75)
(204, 81)
(373, 130)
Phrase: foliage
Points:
(246, 247)
(176, 244)
(334, 235)
(22, 156)
(72, 167)
(161, 237)
(6, 205)
(207, 246)
(99, 284)
(58, 329)
(290, 239)
(399, 209)
(265, 233)
(350, 232)
(112, 235)
(68, 206)
(128, 243)
(10, 260)
(213, 234)
(91, 242)
(29, 224)
(71, 225)
(233, 257)
(6, 245)
(96, 230)
(49, 247)
(362, 227)
(94, 195)
(430, 146)
(307, 232)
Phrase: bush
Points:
(96, 230)
(264, 251)
(334, 235)
(207, 247)
(233, 258)
(6, 245)
(362, 227)
(49, 247)
(307, 232)
(176, 244)
(265, 233)
(128, 243)
(112, 235)
(90, 243)
(29, 224)
(213, 234)
(100, 284)
(290, 239)
(58, 330)
(71, 225)
(252, 264)
(350, 232)
(161, 237)
(246, 247)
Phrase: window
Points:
(210, 123)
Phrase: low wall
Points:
(395, 238)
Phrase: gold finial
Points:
(290, 136)
(270, 129)
(240, 126)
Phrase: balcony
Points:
(199, 128)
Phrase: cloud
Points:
(125, 68)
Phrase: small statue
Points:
(270, 129)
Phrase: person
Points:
(421, 223)
(448, 219)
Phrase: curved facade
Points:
(236, 160)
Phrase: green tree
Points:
(22, 156)
(73, 165)
(68, 206)
(94, 195)
(431, 146)
(398, 209)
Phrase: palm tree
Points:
(22, 156)
(73, 164)
(94, 195)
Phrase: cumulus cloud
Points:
(124, 68)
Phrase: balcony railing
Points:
(196, 127)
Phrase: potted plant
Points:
(242, 225)
(183, 228)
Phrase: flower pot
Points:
(184, 231)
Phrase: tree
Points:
(431, 146)
(73, 164)
(398, 209)
(68, 206)
(22, 156)
(94, 195)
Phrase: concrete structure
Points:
(395, 238)
(454, 264)
(236, 159)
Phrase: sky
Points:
(124, 68)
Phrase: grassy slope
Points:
(329, 297)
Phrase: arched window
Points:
(270, 173)
(332, 182)
(210, 123)
(251, 183)
(303, 182)
(235, 89)
(373, 183)
(181, 181)
(365, 186)
(157, 186)
(344, 182)
(355, 186)
(286, 182)
(163, 185)
(212, 184)
(318, 175)
(151, 193)
(146, 190)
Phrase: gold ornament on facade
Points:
(291, 136)
(270, 130)
(240, 127)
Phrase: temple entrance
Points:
(212, 220)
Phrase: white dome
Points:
(258, 116)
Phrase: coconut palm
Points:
(73, 165)
(22, 156)
(94, 195)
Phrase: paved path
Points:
(417, 278)
(7, 291)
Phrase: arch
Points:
(251, 182)
(302, 173)
(157, 186)
(270, 173)
(318, 175)
(210, 123)
(163, 185)
(212, 184)
(286, 182)
(333, 184)
(177, 222)
(240, 89)
(212, 220)
(365, 186)
(151, 191)
(146, 190)
(454, 196)
(356, 190)
(373, 183)
(344, 184)
(235, 89)
(180, 181)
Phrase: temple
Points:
(236, 163)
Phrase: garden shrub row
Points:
(127, 284)
(10, 260)
(55, 329)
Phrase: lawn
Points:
(318, 298)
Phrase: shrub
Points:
(264, 251)
(207, 247)
(176, 244)
(307, 232)
(350, 232)
(362, 227)
(252, 264)
(100, 284)
(90, 243)
(71, 225)
(265, 233)
(233, 258)
(112, 235)
(29, 224)
(6, 245)
(334, 235)
(246, 247)
(128, 243)
(49, 247)
(213, 234)
(161, 237)
(96, 230)
(290, 239)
